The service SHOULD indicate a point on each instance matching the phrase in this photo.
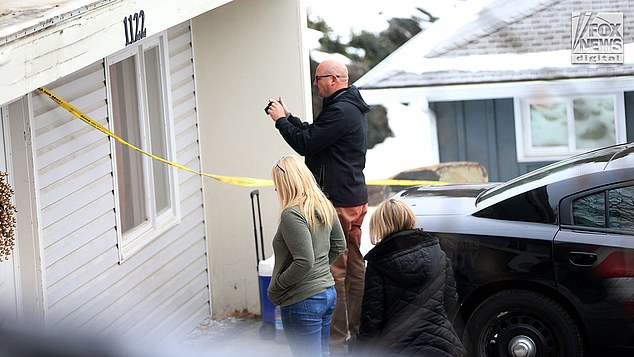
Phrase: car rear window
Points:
(532, 206)
(618, 214)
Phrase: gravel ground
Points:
(235, 336)
(239, 335)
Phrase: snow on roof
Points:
(406, 56)
(451, 50)
(493, 16)
(20, 18)
(320, 56)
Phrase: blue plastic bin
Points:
(265, 270)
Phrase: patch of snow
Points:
(320, 56)
(410, 147)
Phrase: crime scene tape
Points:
(233, 180)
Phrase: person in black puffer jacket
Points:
(409, 287)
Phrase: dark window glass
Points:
(621, 208)
(532, 206)
(589, 211)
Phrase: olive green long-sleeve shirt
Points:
(303, 258)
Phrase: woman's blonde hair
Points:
(296, 186)
(391, 216)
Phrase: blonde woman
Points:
(308, 239)
(409, 287)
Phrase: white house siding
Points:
(162, 289)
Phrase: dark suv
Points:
(544, 263)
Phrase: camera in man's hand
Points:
(266, 110)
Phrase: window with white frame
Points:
(145, 188)
(554, 128)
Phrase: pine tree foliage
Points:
(366, 50)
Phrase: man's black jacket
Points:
(334, 146)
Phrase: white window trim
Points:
(135, 239)
(523, 131)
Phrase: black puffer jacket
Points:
(334, 146)
(409, 287)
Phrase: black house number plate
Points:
(134, 26)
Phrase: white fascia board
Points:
(69, 44)
(499, 90)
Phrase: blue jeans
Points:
(307, 324)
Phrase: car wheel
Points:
(521, 323)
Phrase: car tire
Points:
(523, 319)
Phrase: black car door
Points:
(594, 262)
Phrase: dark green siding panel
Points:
(629, 116)
(505, 139)
(478, 130)
(445, 113)
(530, 166)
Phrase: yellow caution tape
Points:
(233, 180)
(241, 181)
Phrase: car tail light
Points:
(616, 265)
(617, 274)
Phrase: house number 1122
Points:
(134, 26)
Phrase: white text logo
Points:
(597, 37)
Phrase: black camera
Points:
(266, 110)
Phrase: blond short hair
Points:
(391, 216)
(296, 186)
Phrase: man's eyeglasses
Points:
(280, 167)
(317, 78)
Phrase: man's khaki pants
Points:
(348, 271)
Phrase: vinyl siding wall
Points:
(161, 290)
(484, 131)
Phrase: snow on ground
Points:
(410, 147)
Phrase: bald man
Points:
(334, 147)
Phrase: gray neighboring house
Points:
(500, 82)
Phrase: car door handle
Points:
(582, 259)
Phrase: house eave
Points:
(434, 81)
(490, 90)
(15, 28)
(56, 42)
